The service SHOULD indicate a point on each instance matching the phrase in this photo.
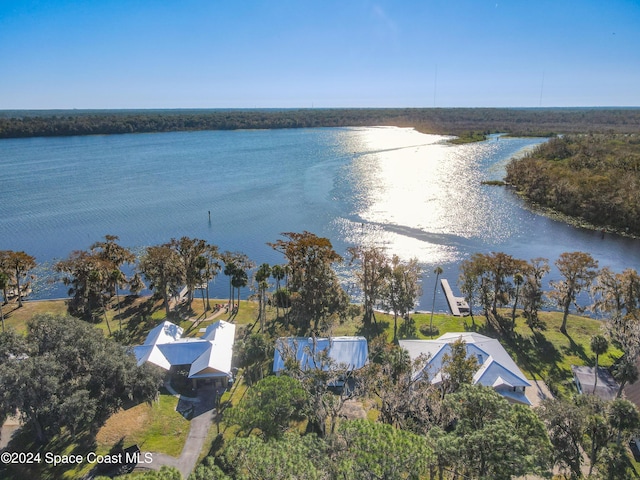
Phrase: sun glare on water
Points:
(417, 195)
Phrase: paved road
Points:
(203, 416)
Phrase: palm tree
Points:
(117, 255)
(518, 279)
(239, 280)
(211, 269)
(117, 278)
(200, 265)
(4, 281)
(261, 276)
(625, 371)
(624, 417)
(99, 281)
(438, 271)
(599, 345)
(236, 265)
(277, 272)
(229, 270)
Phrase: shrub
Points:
(429, 331)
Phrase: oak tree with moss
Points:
(578, 271)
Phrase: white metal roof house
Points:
(207, 357)
(351, 353)
(496, 368)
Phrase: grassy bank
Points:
(135, 316)
(545, 354)
(155, 427)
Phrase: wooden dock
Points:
(458, 305)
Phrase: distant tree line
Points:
(470, 122)
(592, 177)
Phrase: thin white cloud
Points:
(381, 15)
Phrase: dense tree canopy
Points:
(491, 438)
(375, 450)
(270, 406)
(594, 177)
(66, 374)
(316, 292)
(360, 450)
(292, 456)
(585, 429)
(530, 121)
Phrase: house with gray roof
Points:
(496, 367)
(585, 380)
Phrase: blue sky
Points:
(320, 53)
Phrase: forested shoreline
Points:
(590, 177)
(446, 121)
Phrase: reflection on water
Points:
(424, 198)
(412, 193)
(418, 196)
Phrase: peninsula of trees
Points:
(593, 177)
(466, 122)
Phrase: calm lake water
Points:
(409, 192)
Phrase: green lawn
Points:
(16, 318)
(154, 427)
(162, 430)
(545, 354)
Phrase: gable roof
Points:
(207, 356)
(166, 332)
(497, 368)
(632, 390)
(218, 356)
(349, 352)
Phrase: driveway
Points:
(8, 428)
(203, 416)
(537, 392)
